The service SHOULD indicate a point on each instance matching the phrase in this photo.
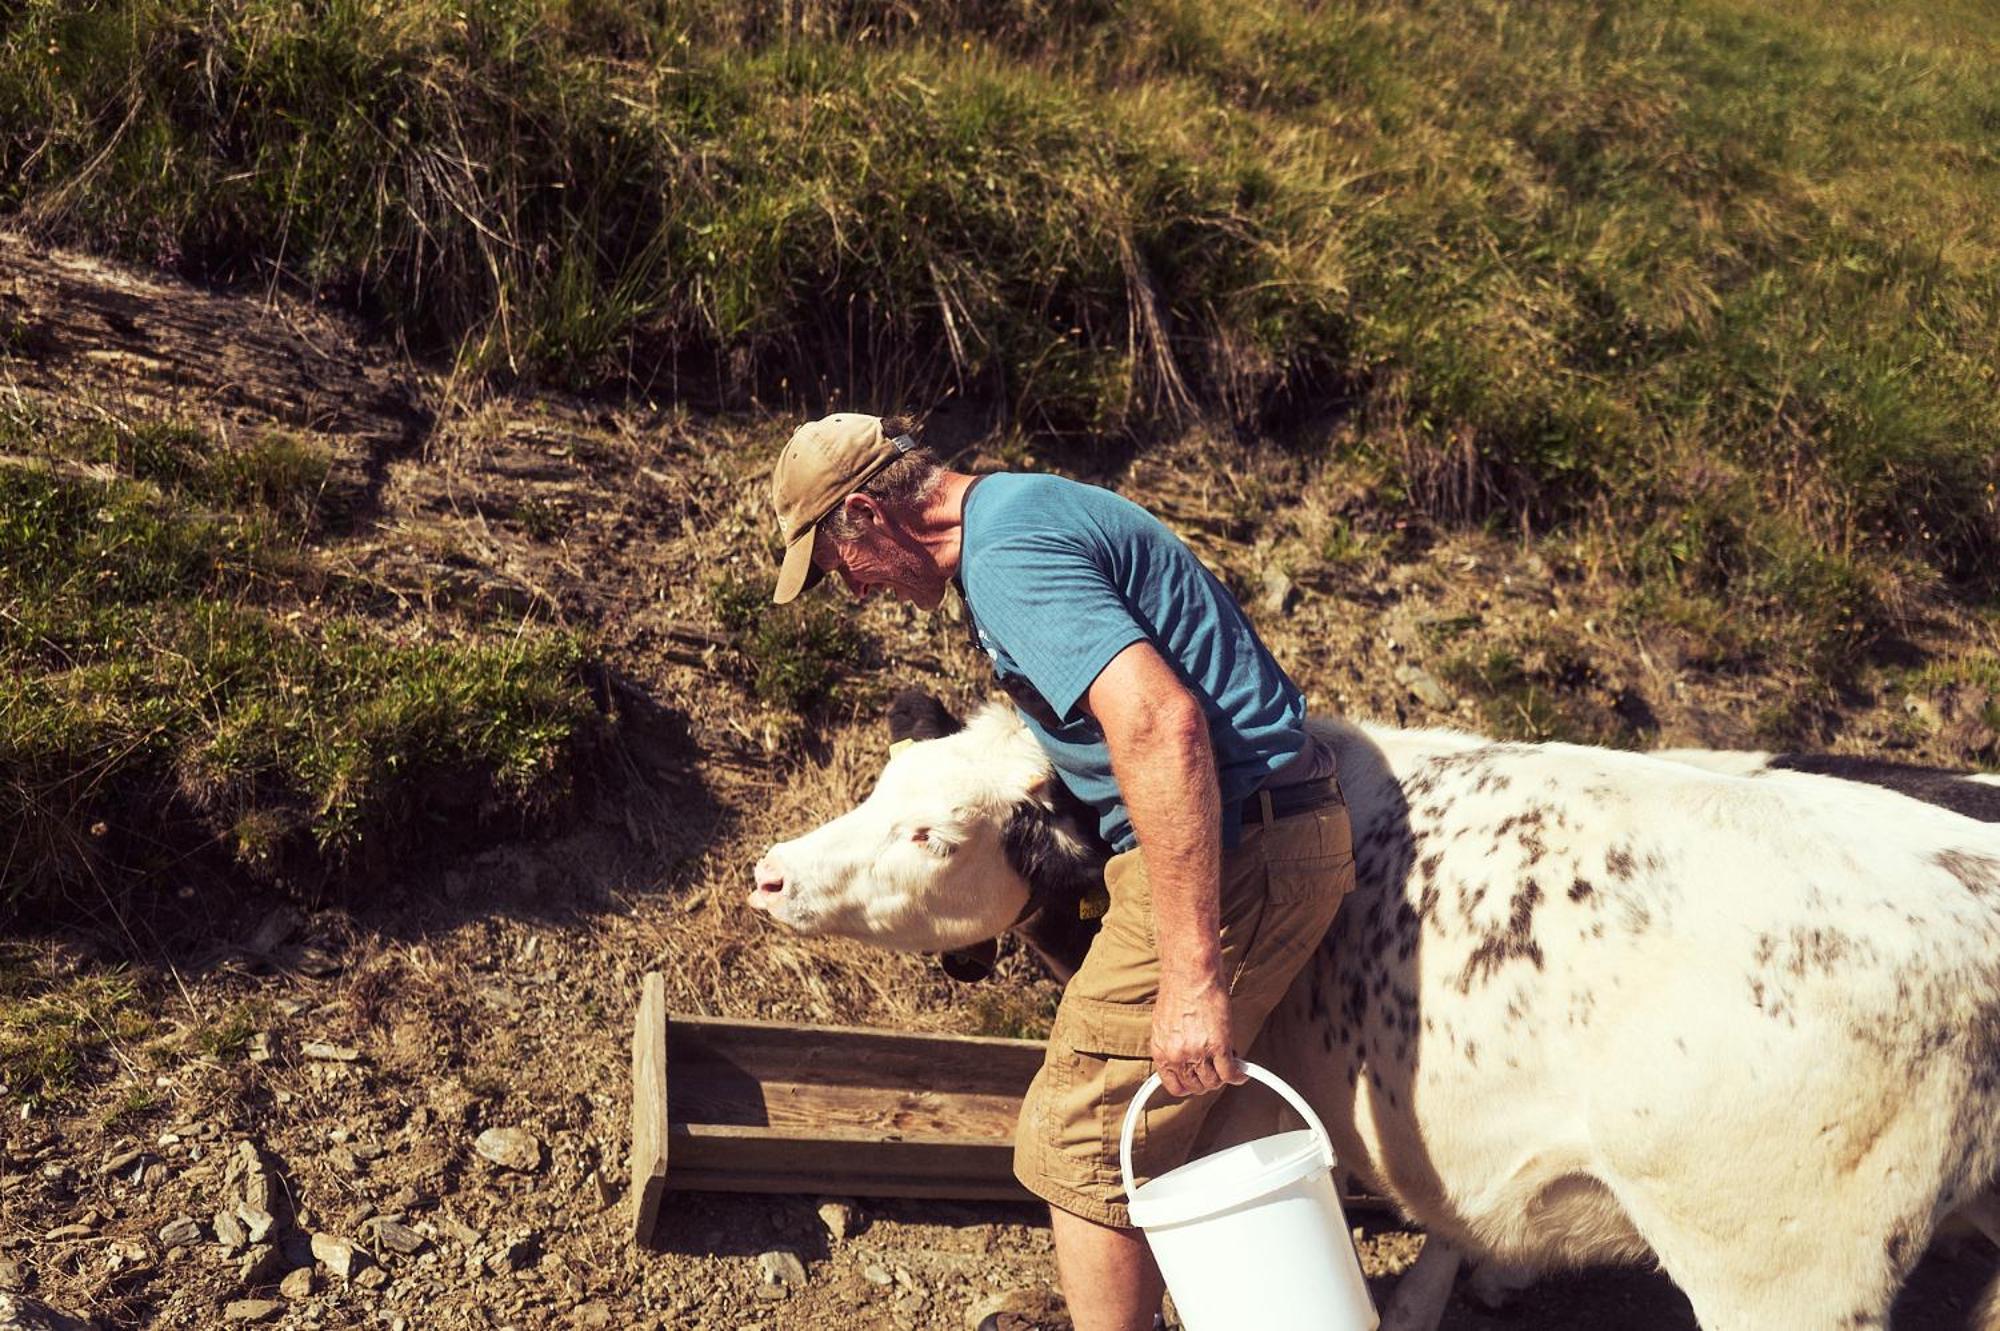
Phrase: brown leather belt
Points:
(1300, 797)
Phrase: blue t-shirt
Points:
(1060, 577)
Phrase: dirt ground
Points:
(381, 1036)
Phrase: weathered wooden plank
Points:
(789, 1106)
(650, 1124)
(708, 1157)
(855, 1056)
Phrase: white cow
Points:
(1584, 1006)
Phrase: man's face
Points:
(881, 557)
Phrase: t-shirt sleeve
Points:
(1054, 606)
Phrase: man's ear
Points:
(862, 510)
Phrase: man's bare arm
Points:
(1165, 767)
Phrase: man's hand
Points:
(1194, 1050)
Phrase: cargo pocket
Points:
(1106, 1029)
(1109, 1047)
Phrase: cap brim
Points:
(798, 573)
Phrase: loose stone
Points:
(261, 1265)
(230, 1233)
(257, 1222)
(782, 1268)
(838, 1217)
(511, 1148)
(397, 1237)
(341, 1257)
(252, 1310)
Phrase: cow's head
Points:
(966, 834)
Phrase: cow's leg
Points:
(1985, 1214)
(1419, 1298)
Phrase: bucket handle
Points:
(1270, 1079)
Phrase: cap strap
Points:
(904, 443)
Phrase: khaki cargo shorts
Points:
(1280, 890)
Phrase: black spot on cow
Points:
(1980, 874)
(1817, 951)
(1533, 847)
(1620, 864)
(1514, 942)
(916, 715)
(1581, 890)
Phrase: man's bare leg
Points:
(1109, 1280)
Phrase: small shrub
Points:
(795, 656)
(1539, 690)
(227, 1038)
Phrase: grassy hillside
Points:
(1704, 290)
(1726, 267)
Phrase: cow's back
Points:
(1566, 967)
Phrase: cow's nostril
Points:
(770, 878)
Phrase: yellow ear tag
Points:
(1093, 904)
(899, 746)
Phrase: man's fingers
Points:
(1198, 1076)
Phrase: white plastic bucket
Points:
(1253, 1236)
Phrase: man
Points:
(1158, 706)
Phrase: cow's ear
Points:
(970, 965)
(914, 714)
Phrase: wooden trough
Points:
(761, 1106)
(751, 1106)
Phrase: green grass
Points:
(1540, 690)
(1684, 271)
(53, 1030)
(229, 1036)
(1014, 1012)
(176, 686)
(794, 658)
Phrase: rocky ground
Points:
(409, 1108)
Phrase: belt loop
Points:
(1264, 806)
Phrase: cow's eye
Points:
(935, 845)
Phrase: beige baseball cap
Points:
(826, 461)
